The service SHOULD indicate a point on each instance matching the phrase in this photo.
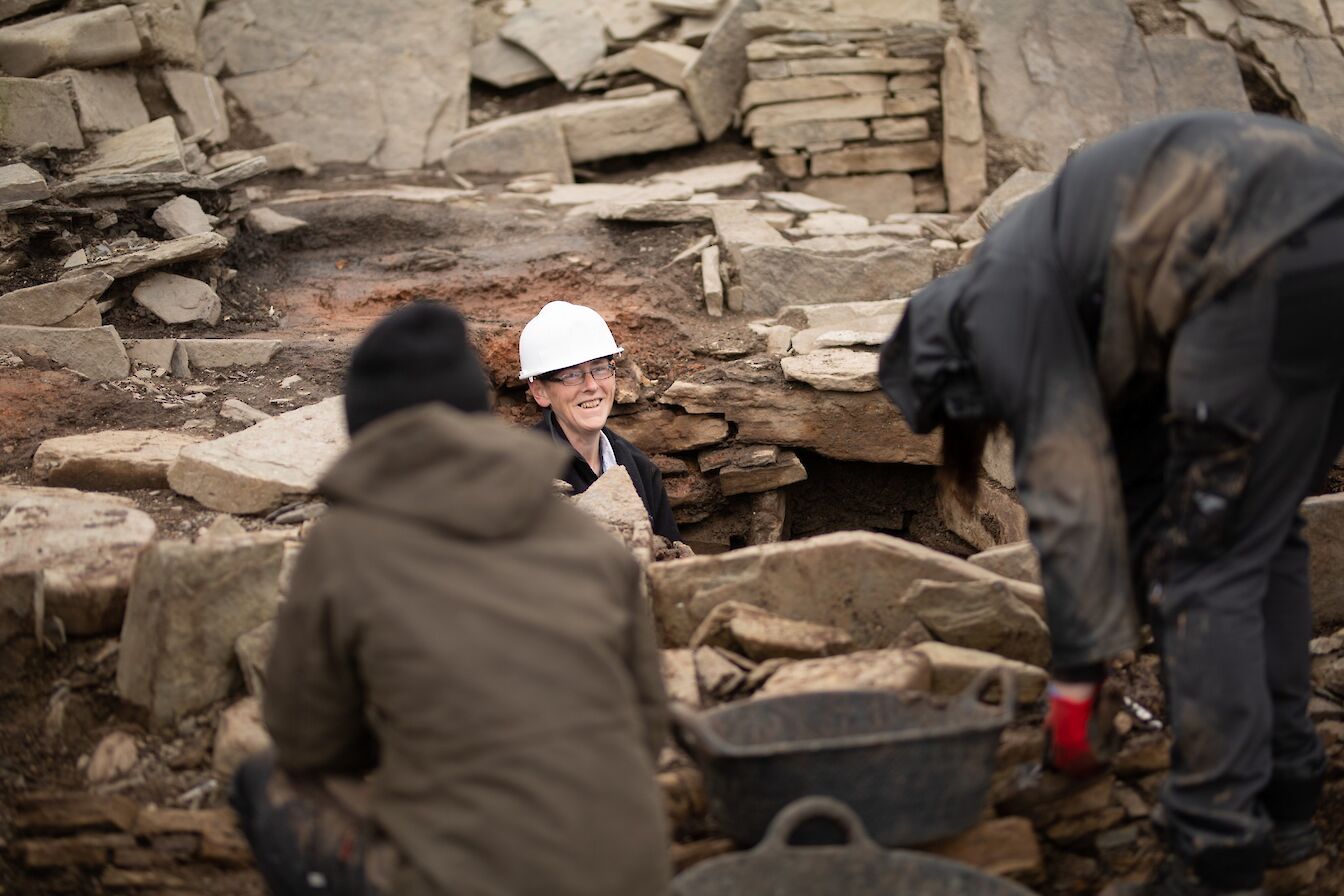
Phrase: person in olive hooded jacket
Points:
(469, 642)
(1160, 330)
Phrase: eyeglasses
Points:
(574, 377)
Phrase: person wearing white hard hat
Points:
(568, 359)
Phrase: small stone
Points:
(178, 300)
(113, 758)
(272, 223)
(183, 216)
(20, 186)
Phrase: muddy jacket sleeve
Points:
(1036, 368)
(313, 704)
(646, 667)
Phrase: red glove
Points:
(1079, 736)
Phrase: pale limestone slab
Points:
(715, 80)
(80, 40)
(94, 352)
(264, 466)
(272, 223)
(54, 304)
(215, 353)
(853, 107)
(663, 61)
(110, 461)
(956, 667)
(107, 100)
(809, 133)
(801, 203)
(530, 143)
(150, 148)
(21, 186)
(175, 299)
(201, 101)
(566, 36)
(707, 178)
(38, 112)
(183, 216)
(834, 370)
(187, 248)
(790, 90)
(628, 20)
(159, 353)
(78, 549)
(611, 128)
(964, 150)
(502, 64)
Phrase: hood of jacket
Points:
(471, 474)
(924, 367)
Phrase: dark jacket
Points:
(647, 478)
(1063, 322)
(481, 647)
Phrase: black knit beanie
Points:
(417, 354)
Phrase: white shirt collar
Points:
(605, 453)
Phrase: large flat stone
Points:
(707, 178)
(875, 196)
(201, 101)
(1018, 560)
(964, 149)
(530, 143)
(1312, 71)
(661, 431)
(183, 216)
(174, 299)
(829, 269)
(1193, 73)
(502, 64)
(663, 61)
(159, 353)
(566, 35)
(57, 304)
(94, 352)
(216, 353)
(808, 133)
(149, 148)
(789, 90)
(609, 128)
(917, 156)
(714, 81)
(833, 370)
(616, 506)
(264, 466)
(841, 315)
(768, 411)
(80, 40)
(981, 615)
(896, 10)
(1056, 71)
(78, 549)
(188, 604)
(628, 20)
(21, 186)
(835, 109)
(115, 460)
(788, 469)
(188, 248)
(107, 100)
(346, 78)
(1325, 535)
(956, 667)
(38, 112)
(845, 579)
(864, 670)
(867, 331)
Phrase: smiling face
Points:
(581, 409)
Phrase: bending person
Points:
(568, 359)
(1160, 329)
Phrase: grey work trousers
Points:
(1256, 419)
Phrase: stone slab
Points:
(114, 460)
(107, 100)
(864, 670)
(827, 269)
(662, 211)
(38, 112)
(707, 178)
(1193, 73)
(502, 64)
(875, 196)
(266, 465)
(174, 299)
(715, 80)
(845, 579)
(216, 353)
(689, 7)
(289, 156)
(591, 193)
(847, 65)
(840, 315)
(271, 223)
(1312, 71)
(662, 431)
(201, 102)
(956, 667)
(808, 133)
(167, 354)
(1056, 71)
(896, 10)
(507, 147)
(566, 36)
(78, 549)
(1325, 535)
(964, 149)
(878, 159)
(663, 61)
(628, 20)
(183, 216)
(79, 40)
(834, 370)
(767, 411)
(153, 147)
(840, 108)
(187, 607)
(801, 203)
(610, 128)
(789, 90)
(616, 506)
(983, 616)
(188, 248)
(345, 78)
(21, 186)
(788, 469)
(94, 352)
(54, 304)
(1022, 183)
(1018, 560)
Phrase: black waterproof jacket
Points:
(1063, 322)
(646, 477)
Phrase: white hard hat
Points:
(562, 335)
